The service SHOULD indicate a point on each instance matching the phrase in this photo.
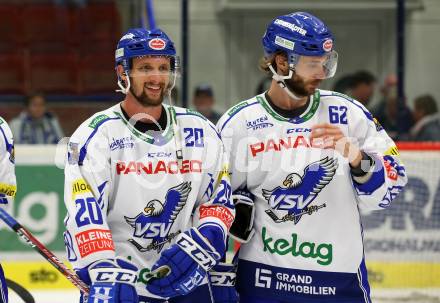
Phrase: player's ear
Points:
(121, 72)
(282, 64)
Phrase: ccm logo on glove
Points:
(122, 276)
(193, 250)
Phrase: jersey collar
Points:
(162, 138)
(305, 116)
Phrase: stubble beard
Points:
(144, 100)
(298, 86)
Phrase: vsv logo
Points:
(297, 192)
(263, 278)
(259, 123)
(156, 220)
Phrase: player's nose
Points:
(320, 75)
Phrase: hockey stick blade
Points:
(22, 292)
(42, 250)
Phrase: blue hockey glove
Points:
(222, 279)
(187, 262)
(242, 229)
(111, 281)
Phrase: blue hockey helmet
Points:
(138, 42)
(298, 33)
(300, 36)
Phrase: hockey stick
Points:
(22, 292)
(42, 250)
(309, 211)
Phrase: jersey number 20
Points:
(193, 137)
(88, 212)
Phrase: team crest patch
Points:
(157, 218)
(298, 192)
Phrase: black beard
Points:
(297, 86)
(143, 98)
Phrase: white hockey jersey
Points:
(308, 244)
(127, 194)
(8, 185)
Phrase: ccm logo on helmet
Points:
(157, 44)
(327, 45)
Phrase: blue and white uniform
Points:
(8, 185)
(308, 244)
(127, 195)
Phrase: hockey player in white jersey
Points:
(146, 187)
(8, 185)
(311, 159)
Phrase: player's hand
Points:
(222, 279)
(187, 262)
(242, 229)
(113, 281)
(331, 136)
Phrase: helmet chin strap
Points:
(174, 124)
(280, 80)
(123, 89)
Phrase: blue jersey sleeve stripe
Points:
(83, 151)
(239, 110)
(363, 281)
(366, 113)
(8, 145)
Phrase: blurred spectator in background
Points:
(427, 119)
(343, 84)
(35, 125)
(361, 86)
(386, 112)
(204, 102)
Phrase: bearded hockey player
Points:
(146, 187)
(310, 159)
(8, 186)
